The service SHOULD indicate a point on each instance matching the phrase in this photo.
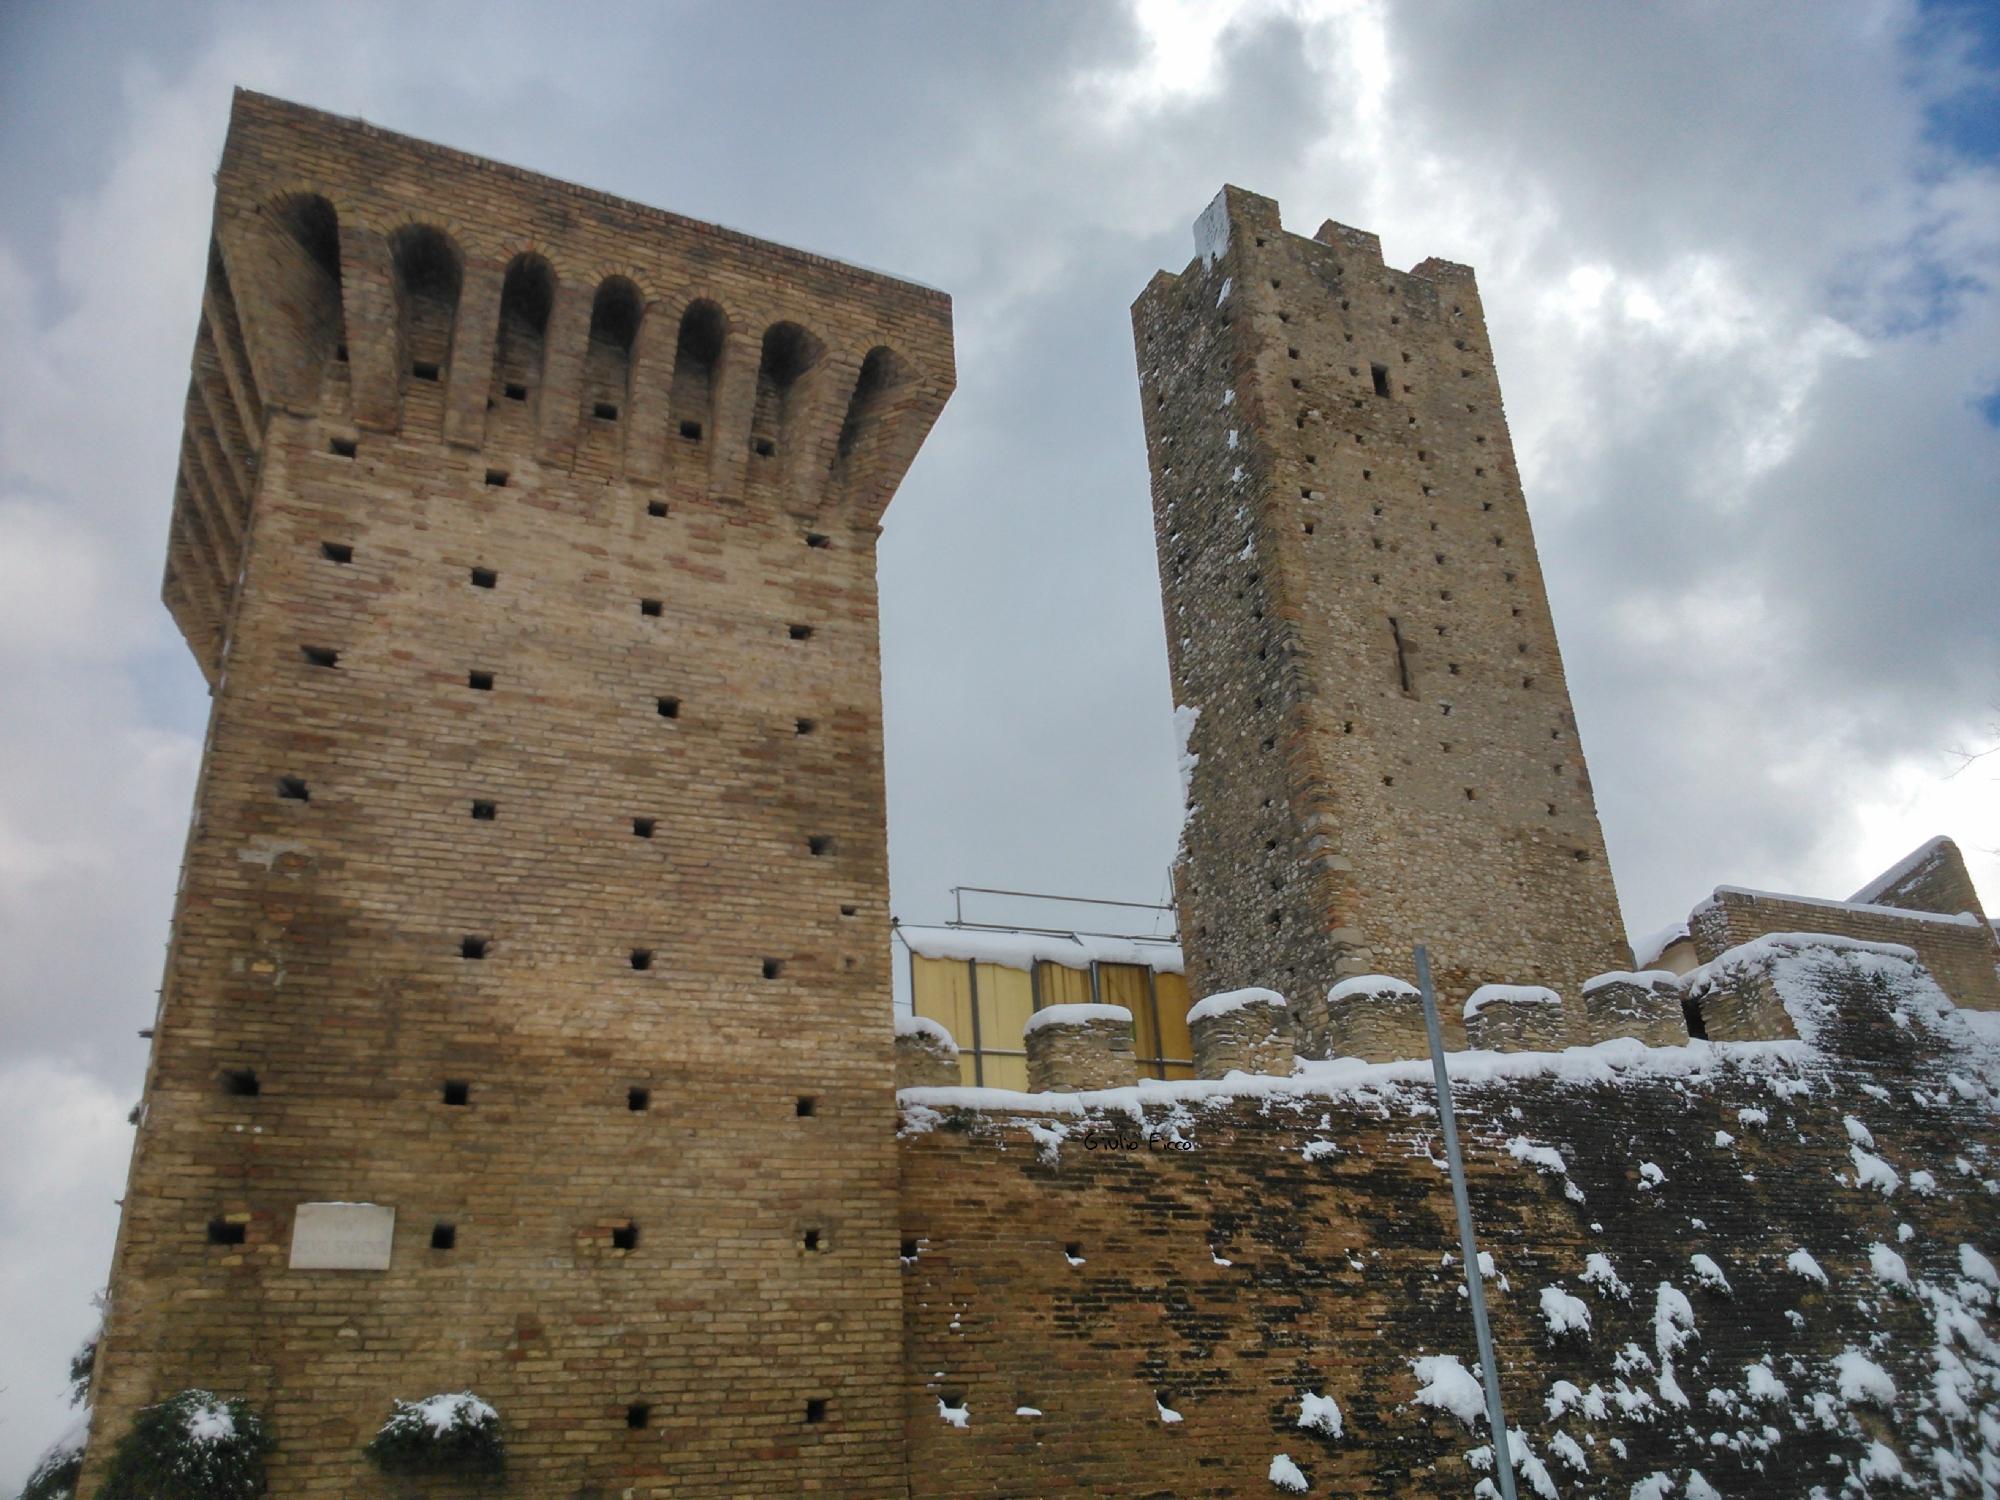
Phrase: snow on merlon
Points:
(1644, 978)
(1023, 950)
(1509, 994)
(1233, 1000)
(1919, 860)
(924, 1026)
(1370, 984)
(1211, 230)
(1075, 1015)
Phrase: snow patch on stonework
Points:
(1319, 1413)
(1564, 1312)
(1075, 1015)
(1447, 1385)
(1285, 1475)
(1372, 984)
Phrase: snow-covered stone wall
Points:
(1747, 1269)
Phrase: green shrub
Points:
(192, 1446)
(440, 1434)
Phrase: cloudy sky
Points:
(1740, 264)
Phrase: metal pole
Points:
(1475, 1290)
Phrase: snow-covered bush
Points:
(192, 1446)
(54, 1476)
(450, 1432)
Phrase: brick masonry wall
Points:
(427, 528)
(1965, 956)
(1228, 1256)
(1353, 601)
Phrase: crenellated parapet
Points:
(533, 326)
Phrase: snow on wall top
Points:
(908, 1025)
(1646, 950)
(1644, 978)
(1509, 994)
(1960, 919)
(1370, 984)
(1233, 1000)
(1918, 861)
(1023, 950)
(1075, 1015)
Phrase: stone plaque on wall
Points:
(342, 1236)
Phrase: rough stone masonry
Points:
(1385, 752)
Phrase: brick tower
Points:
(1386, 750)
(536, 895)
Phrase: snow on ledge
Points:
(1233, 1000)
(1509, 994)
(1864, 908)
(924, 1026)
(1370, 984)
(1075, 1015)
(1606, 1062)
(1023, 950)
(1644, 978)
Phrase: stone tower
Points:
(525, 1019)
(1386, 752)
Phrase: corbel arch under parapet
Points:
(883, 375)
(429, 274)
(615, 315)
(694, 391)
(520, 349)
(789, 356)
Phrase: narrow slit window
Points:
(849, 911)
(604, 411)
(444, 1237)
(909, 1249)
(485, 812)
(642, 828)
(816, 539)
(222, 1232)
(294, 789)
(1381, 378)
(656, 507)
(424, 369)
(651, 608)
(638, 1415)
(338, 552)
(516, 391)
(816, 1409)
(625, 1236)
(799, 632)
(473, 947)
(811, 1240)
(807, 1106)
(820, 843)
(497, 478)
(773, 968)
(807, 726)
(479, 681)
(320, 656)
(484, 578)
(642, 958)
(691, 431)
(763, 447)
(241, 1083)
(457, 1093)
(342, 447)
(670, 708)
(638, 1100)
